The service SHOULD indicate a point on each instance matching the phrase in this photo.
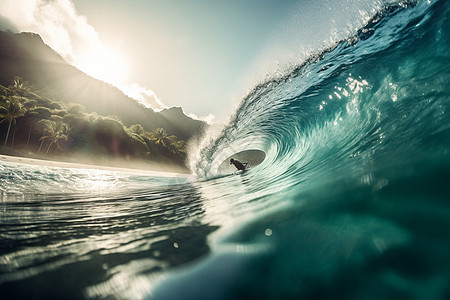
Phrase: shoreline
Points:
(71, 165)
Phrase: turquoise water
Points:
(351, 201)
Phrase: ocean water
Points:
(352, 200)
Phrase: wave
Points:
(350, 200)
(32, 177)
(375, 98)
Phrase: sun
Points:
(103, 64)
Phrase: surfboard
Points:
(252, 157)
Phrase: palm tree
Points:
(18, 84)
(54, 132)
(137, 129)
(179, 147)
(160, 137)
(10, 110)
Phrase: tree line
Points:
(39, 126)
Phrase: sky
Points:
(202, 55)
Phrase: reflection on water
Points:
(108, 234)
(80, 246)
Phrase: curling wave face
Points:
(375, 98)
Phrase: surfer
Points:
(238, 164)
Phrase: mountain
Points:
(27, 56)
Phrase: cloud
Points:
(144, 95)
(208, 119)
(57, 22)
(71, 35)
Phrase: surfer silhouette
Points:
(238, 164)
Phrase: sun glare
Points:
(103, 64)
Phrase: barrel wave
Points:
(357, 142)
(350, 201)
(379, 97)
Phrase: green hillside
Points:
(25, 55)
(48, 108)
